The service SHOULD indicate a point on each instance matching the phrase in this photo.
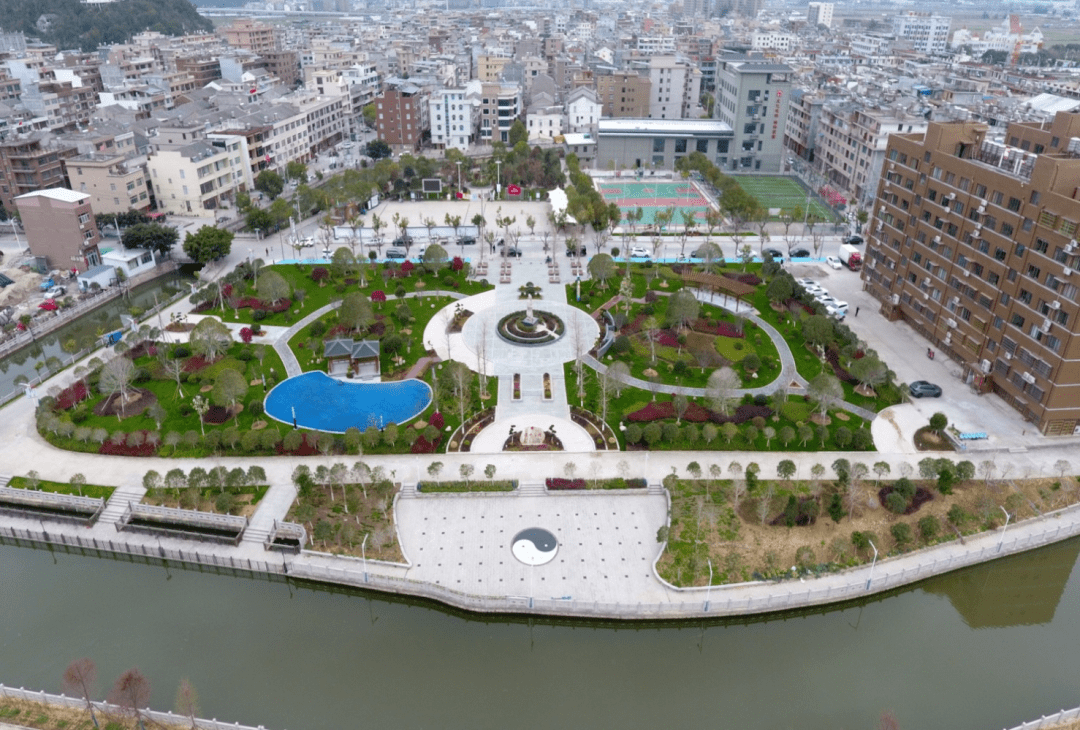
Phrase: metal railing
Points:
(1051, 721)
(226, 528)
(165, 718)
(56, 506)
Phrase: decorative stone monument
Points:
(529, 318)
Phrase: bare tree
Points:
(765, 504)
(481, 357)
(131, 692)
(79, 678)
(116, 377)
(187, 702)
(738, 486)
(611, 383)
(720, 389)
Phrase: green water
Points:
(982, 648)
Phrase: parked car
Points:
(403, 241)
(806, 282)
(306, 242)
(837, 314)
(579, 251)
(684, 258)
(395, 253)
(924, 389)
(512, 251)
(500, 243)
(833, 262)
(854, 240)
(466, 241)
(56, 291)
(816, 290)
(774, 252)
(640, 252)
(799, 253)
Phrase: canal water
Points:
(983, 648)
(84, 329)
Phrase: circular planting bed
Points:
(516, 328)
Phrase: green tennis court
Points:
(784, 192)
(653, 197)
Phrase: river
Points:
(105, 318)
(983, 648)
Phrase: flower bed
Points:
(130, 447)
(833, 358)
(423, 446)
(695, 413)
(71, 395)
(751, 279)
(556, 483)
(722, 329)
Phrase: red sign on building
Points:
(513, 189)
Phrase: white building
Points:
(819, 14)
(773, 40)
(545, 123)
(1008, 37)
(655, 45)
(583, 110)
(675, 88)
(927, 33)
(453, 118)
(195, 174)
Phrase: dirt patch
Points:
(866, 391)
(927, 439)
(220, 414)
(701, 346)
(136, 402)
(819, 419)
(841, 416)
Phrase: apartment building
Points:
(583, 110)
(500, 107)
(453, 118)
(400, 114)
(674, 88)
(31, 162)
(927, 33)
(752, 96)
(252, 35)
(801, 130)
(773, 40)
(489, 67)
(112, 182)
(196, 174)
(624, 95)
(285, 65)
(65, 104)
(60, 228)
(973, 242)
(820, 14)
(545, 123)
(851, 142)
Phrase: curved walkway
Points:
(281, 344)
(789, 373)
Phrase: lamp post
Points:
(872, 566)
(1007, 516)
(459, 175)
(363, 553)
(708, 591)
(498, 178)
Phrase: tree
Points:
(825, 390)
(433, 470)
(208, 244)
(517, 133)
(210, 338)
(601, 268)
(881, 469)
(683, 308)
(435, 257)
(152, 236)
(938, 422)
(720, 389)
(187, 699)
(269, 182)
(273, 287)
(79, 680)
(779, 289)
(377, 149)
(869, 370)
(785, 469)
(466, 471)
(296, 170)
(489, 472)
(116, 377)
(131, 693)
(355, 312)
(229, 387)
(818, 330)
(611, 382)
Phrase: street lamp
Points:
(708, 591)
(459, 174)
(363, 553)
(498, 177)
(1007, 516)
(871, 565)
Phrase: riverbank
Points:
(588, 588)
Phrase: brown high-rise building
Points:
(973, 243)
(60, 228)
(252, 35)
(29, 163)
(624, 95)
(400, 115)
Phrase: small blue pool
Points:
(321, 403)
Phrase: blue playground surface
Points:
(322, 403)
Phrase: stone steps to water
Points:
(531, 489)
(5, 479)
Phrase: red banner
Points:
(513, 189)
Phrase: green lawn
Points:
(785, 193)
(44, 485)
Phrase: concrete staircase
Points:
(531, 489)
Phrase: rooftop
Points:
(62, 194)
(664, 126)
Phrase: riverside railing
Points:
(719, 601)
(165, 718)
(1051, 721)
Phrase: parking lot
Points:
(905, 352)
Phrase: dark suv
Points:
(512, 251)
(403, 241)
(466, 241)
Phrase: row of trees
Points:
(130, 693)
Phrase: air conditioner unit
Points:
(1071, 245)
(1046, 325)
(956, 300)
(926, 280)
(1066, 271)
(948, 338)
(981, 209)
(985, 366)
(892, 165)
(937, 239)
(966, 272)
(951, 323)
(895, 298)
(1055, 304)
(1028, 377)
(1008, 355)
(926, 295)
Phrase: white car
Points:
(816, 290)
(639, 252)
(833, 303)
(839, 314)
(806, 282)
(55, 292)
(833, 262)
(306, 242)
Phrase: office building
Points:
(752, 96)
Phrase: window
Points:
(702, 146)
(680, 146)
(1017, 321)
(659, 144)
(84, 218)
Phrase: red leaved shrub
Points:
(71, 395)
(423, 446)
(723, 329)
(112, 448)
(246, 334)
(437, 420)
(559, 483)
